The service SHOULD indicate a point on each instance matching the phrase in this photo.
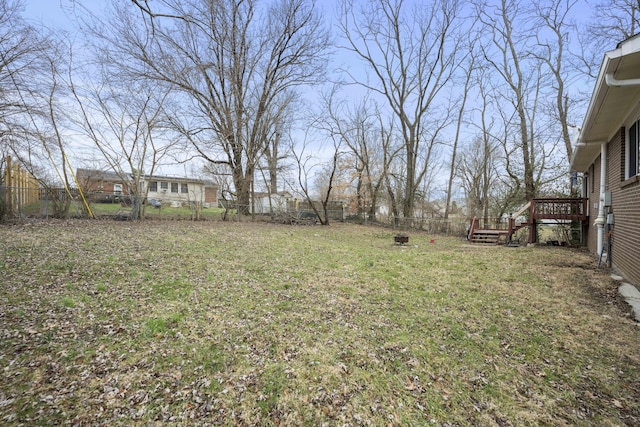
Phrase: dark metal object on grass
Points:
(401, 239)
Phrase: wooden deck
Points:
(560, 209)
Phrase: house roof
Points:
(611, 101)
(96, 174)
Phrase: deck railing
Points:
(574, 209)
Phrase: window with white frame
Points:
(633, 150)
(153, 186)
(117, 188)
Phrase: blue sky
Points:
(46, 12)
(53, 14)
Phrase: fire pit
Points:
(401, 239)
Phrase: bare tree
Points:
(391, 174)
(53, 138)
(355, 126)
(31, 110)
(232, 61)
(469, 67)
(365, 147)
(520, 77)
(506, 51)
(127, 129)
(611, 22)
(221, 176)
(411, 53)
(615, 20)
(307, 164)
(477, 169)
(275, 152)
(554, 16)
(24, 71)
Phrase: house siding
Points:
(625, 200)
(195, 193)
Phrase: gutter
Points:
(613, 82)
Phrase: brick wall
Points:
(625, 200)
(102, 186)
(211, 195)
(625, 197)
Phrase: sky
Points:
(51, 13)
(48, 12)
(54, 14)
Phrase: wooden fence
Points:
(20, 188)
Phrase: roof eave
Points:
(594, 132)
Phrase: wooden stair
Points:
(488, 237)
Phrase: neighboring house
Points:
(181, 191)
(608, 155)
(101, 186)
(265, 203)
(170, 191)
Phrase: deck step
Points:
(490, 237)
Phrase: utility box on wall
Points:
(607, 198)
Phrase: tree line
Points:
(392, 103)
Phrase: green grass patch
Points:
(161, 326)
(171, 288)
(67, 302)
(167, 212)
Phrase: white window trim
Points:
(628, 148)
(633, 117)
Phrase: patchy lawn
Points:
(196, 323)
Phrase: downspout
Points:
(599, 222)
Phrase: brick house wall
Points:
(95, 183)
(107, 187)
(625, 200)
(211, 195)
(614, 104)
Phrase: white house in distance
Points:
(265, 203)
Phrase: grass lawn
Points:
(165, 212)
(110, 210)
(226, 323)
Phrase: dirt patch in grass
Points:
(208, 323)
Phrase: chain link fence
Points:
(30, 202)
(17, 202)
(457, 226)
